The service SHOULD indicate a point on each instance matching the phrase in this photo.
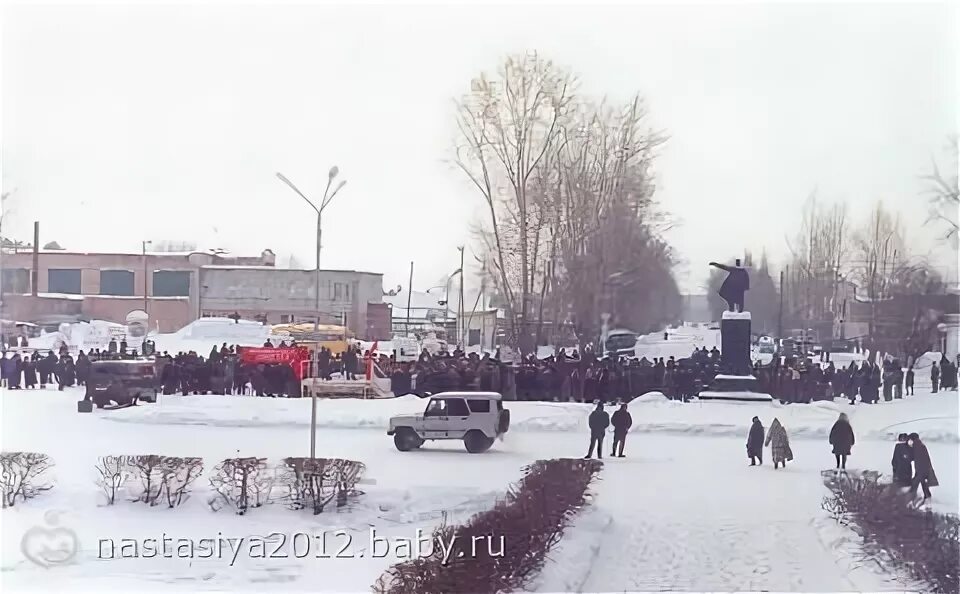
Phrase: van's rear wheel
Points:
(406, 440)
(476, 442)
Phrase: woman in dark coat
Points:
(902, 462)
(842, 440)
(755, 443)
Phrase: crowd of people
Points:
(579, 376)
(585, 377)
(38, 370)
(803, 380)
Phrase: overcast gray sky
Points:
(123, 123)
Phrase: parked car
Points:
(122, 382)
(477, 418)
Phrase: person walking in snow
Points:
(842, 440)
(621, 425)
(909, 384)
(935, 378)
(779, 444)
(902, 462)
(755, 443)
(599, 421)
(923, 475)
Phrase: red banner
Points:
(294, 357)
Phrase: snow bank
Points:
(934, 416)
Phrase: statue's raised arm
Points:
(734, 286)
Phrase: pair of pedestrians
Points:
(599, 421)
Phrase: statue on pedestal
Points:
(734, 286)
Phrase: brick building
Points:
(175, 288)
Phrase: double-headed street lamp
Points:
(327, 197)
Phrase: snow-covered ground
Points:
(683, 511)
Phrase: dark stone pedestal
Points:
(735, 343)
(735, 382)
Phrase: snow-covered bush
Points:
(114, 471)
(312, 483)
(241, 483)
(21, 473)
(162, 478)
(921, 542)
(503, 549)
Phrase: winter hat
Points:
(902, 437)
(914, 436)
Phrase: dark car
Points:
(123, 382)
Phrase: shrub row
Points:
(22, 475)
(923, 543)
(238, 483)
(514, 536)
(300, 483)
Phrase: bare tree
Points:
(4, 208)
(944, 194)
(507, 126)
(820, 255)
(881, 251)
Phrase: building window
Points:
(15, 280)
(116, 282)
(337, 291)
(171, 283)
(63, 280)
(286, 319)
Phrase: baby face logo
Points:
(50, 545)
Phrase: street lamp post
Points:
(324, 202)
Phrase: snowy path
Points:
(691, 515)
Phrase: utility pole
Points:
(780, 315)
(409, 295)
(35, 285)
(461, 330)
(145, 282)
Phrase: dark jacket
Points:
(922, 464)
(902, 463)
(621, 422)
(841, 438)
(599, 421)
(755, 440)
